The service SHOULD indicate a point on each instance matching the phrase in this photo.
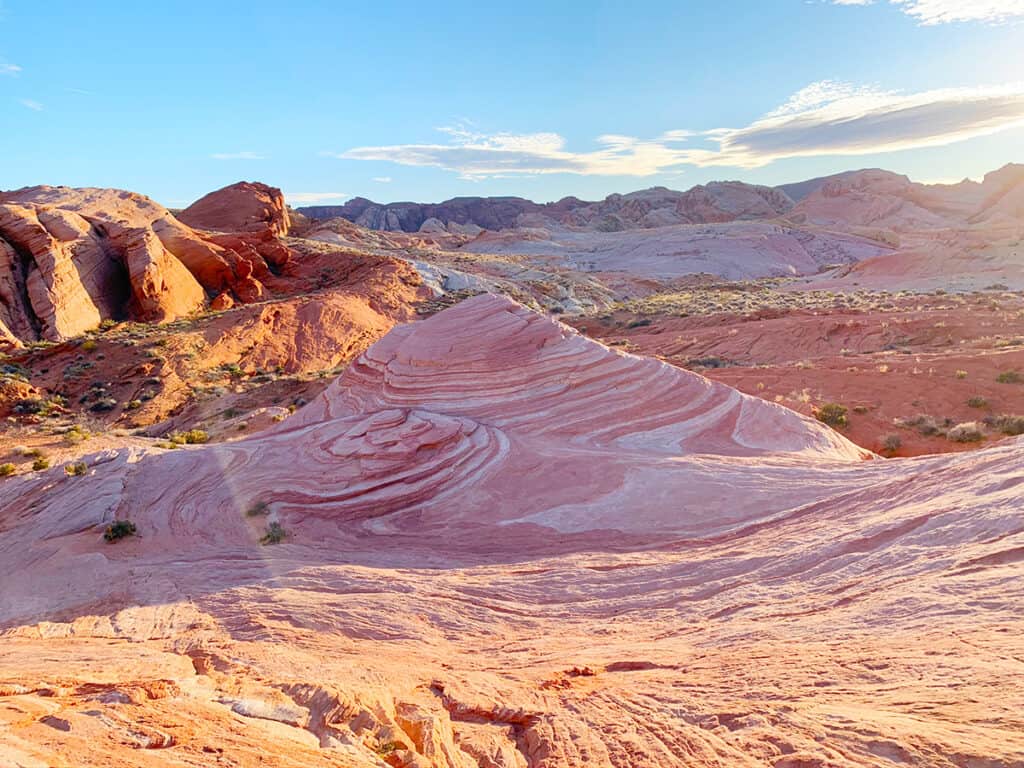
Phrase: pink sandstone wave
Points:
(508, 545)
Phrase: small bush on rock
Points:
(119, 529)
(833, 414)
(275, 534)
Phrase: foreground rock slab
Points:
(505, 545)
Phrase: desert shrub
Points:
(133, 405)
(387, 748)
(643, 323)
(1009, 425)
(706, 362)
(40, 407)
(1009, 377)
(76, 434)
(103, 404)
(961, 374)
(891, 443)
(119, 529)
(29, 405)
(89, 345)
(275, 534)
(977, 402)
(40, 464)
(191, 437)
(6, 470)
(76, 468)
(966, 432)
(926, 425)
(257, 508)
(833, 414)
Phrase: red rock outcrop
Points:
(247, 206)
(70, 258)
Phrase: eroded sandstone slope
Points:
(71, 258)
(504, 545)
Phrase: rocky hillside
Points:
(655, 207)
(71, 258)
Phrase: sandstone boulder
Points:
(248, 206)
(70, 258)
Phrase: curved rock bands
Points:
(389, 461)
(498, 363)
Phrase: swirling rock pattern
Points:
(508, 546)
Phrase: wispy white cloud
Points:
(237, 156)
(382, 179)
(857, 121)
(35, 106)
(314, 197)
(502, 154)
(825, 118)
(11, 70)
(931, 12)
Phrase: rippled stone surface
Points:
(507, 545)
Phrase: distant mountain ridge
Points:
(719, 201)
(714, 202)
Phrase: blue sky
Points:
(401, 100)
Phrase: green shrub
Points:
(923, 423)
(76, 434)
(978, 402)
(891, 443)
(119, 529)
(89, 345)
(40, 464)
(706, 362)
(833, 414)
(275, 534)
(1009, 377)
(76, 468)
(6, 470)
(1009, 425)
(191, 437)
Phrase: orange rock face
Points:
(70, 258)
(493, 542)
(242, 207)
